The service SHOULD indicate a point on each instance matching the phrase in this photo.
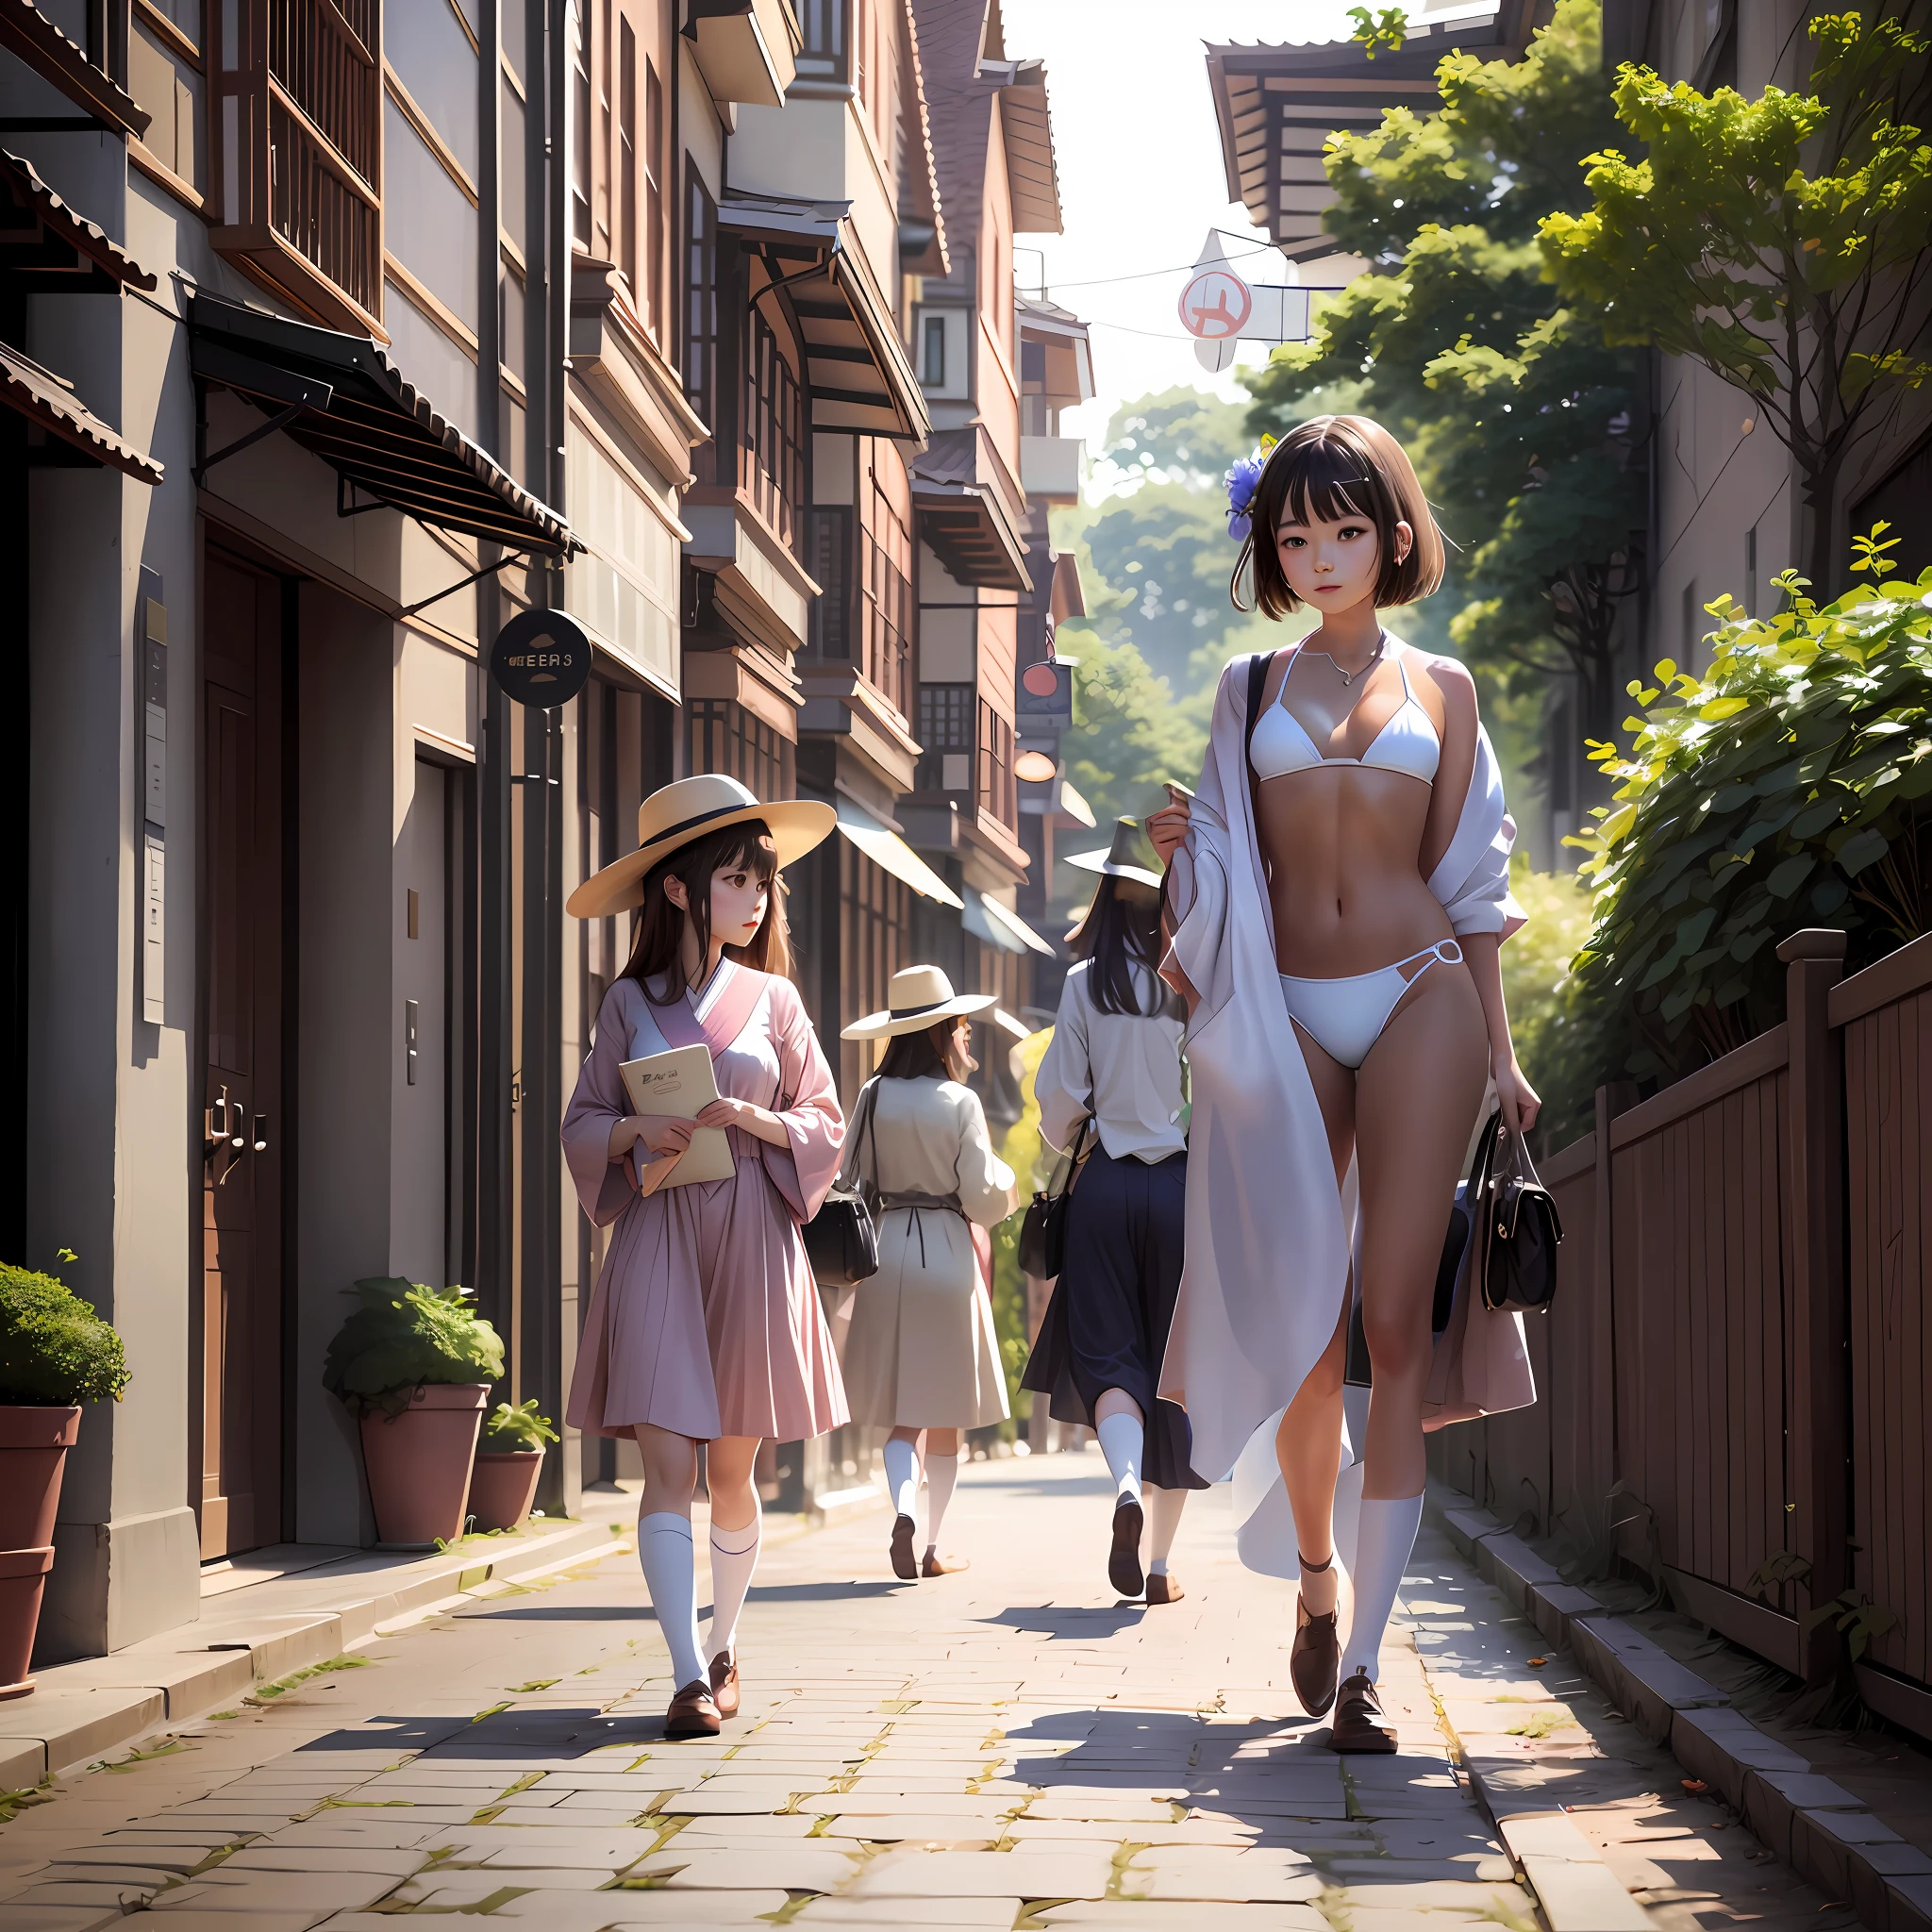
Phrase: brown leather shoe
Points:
(933, 1564)
(725, 1684)
(905, 1564)
(1123, 1559)
(692, 1714)
(1163, 1588)
(1358, 1719)
(1314, 1658)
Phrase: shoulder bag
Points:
(840, 1242)
(1516, 1226)
(1043, 1244)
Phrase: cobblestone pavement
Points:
(1008, 1747)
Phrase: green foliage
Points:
(403, 1336)
(1382, 33)
(1518, 411)
(1784, 788)
(1541, 995)
(54, 1351)
(517, 1427)
(1779, 242)
(1020, 1150)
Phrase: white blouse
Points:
(1122, 1070)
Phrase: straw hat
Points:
(921, 996)
(690, 808)
(1117, 862)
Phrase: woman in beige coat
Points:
(915, 1341)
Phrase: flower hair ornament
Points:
(1243, 480)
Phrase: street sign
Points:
(1045, 697)
(1215, 304)
(541, 658)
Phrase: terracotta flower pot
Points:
(419, 1462)
(504, 1486)
(33, 1451)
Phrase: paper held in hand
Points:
(676, 1085)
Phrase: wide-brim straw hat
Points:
(690, 808)
(921, 996)
(1118, 861)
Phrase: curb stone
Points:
(1813, 1823)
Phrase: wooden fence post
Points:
(1814, 960)
(1606, 1390)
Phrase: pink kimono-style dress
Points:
(706, 1320)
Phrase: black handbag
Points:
(1042, 1243)
(840, 1242)
(1515, 1225)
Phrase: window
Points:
(876, 918)
(934, 366)
(945, 736)
(654, 201)
(435, 58)
(580, 139)
(701, 308)
(721, 736)
(770, 465)
(888, 615)
(627, 257)
(827, 556)
(625, 588)
(606, 116)
(823, 25)
(432, 222)
(995, 793)
(516, 214)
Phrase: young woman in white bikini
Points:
(1347, 855)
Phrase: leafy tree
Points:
(1780, 242)
(1520, 415)
(1784, 788)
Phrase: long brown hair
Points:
(1336, 467)
(933, 1049)
(654, 948)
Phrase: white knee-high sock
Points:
(902, 1475)
(1385, 1536)
(670, 1566)
(1164, 1508)
(734, 1557)
(1348, 1484)
(942, 1472)
(1122, 1439)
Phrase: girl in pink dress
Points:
(705, 1326)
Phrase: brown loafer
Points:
(1315, 1659)
(725, 1684)
(1123, 1559)
(1358, 1719)
(933, 1564)
(905, 1564)
(1163, 1588)
(692, 1714)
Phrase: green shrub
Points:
(1784, 788)
(1540, 992)
(405, 1335)
(516, 1425)
(54, 1351)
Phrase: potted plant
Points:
(414, 1366)
(54, 1354)
(508, 1464)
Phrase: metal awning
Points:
(965, 514)
(341, 397)
(892, 854)
(49, 403)
(28, 34)
(858, 373)
(999, 926)
(46, 248)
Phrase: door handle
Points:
(261, 1141)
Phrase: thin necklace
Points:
(1348, 678)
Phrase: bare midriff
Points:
(1343, 850)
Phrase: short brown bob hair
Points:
(1332, 467)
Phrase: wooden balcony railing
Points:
(297, 127)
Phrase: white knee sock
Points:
(670, 1567)
(734, 1557)
(1385, 1536)
(1120, 1440)
(1164, 1508)
(902, 1475)
(942, 1472)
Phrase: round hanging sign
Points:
(1215, 304)
(541, 658)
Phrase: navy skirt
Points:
(1106, 1327)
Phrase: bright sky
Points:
(1140, 173)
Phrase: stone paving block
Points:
(964, 1834)
(1390, 1871)
(447, 1891)
(1130, 1915)
(889, 1804)
(591, 1911)
(99, 1893)
(1578, 1897)
(193, 1921)
(1250, 1876)
(1547, 1835)
(1443, 1895)
(399, 1863)
(984, 1874)
(157, 1856)
(279, 1891)
(866, 1915)
(808, 1866)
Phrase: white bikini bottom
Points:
(1345, 1017)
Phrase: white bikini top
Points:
(1406, 743)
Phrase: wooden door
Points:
(239, 1494)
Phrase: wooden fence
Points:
(1732, 1384)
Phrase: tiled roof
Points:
(49, 401)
